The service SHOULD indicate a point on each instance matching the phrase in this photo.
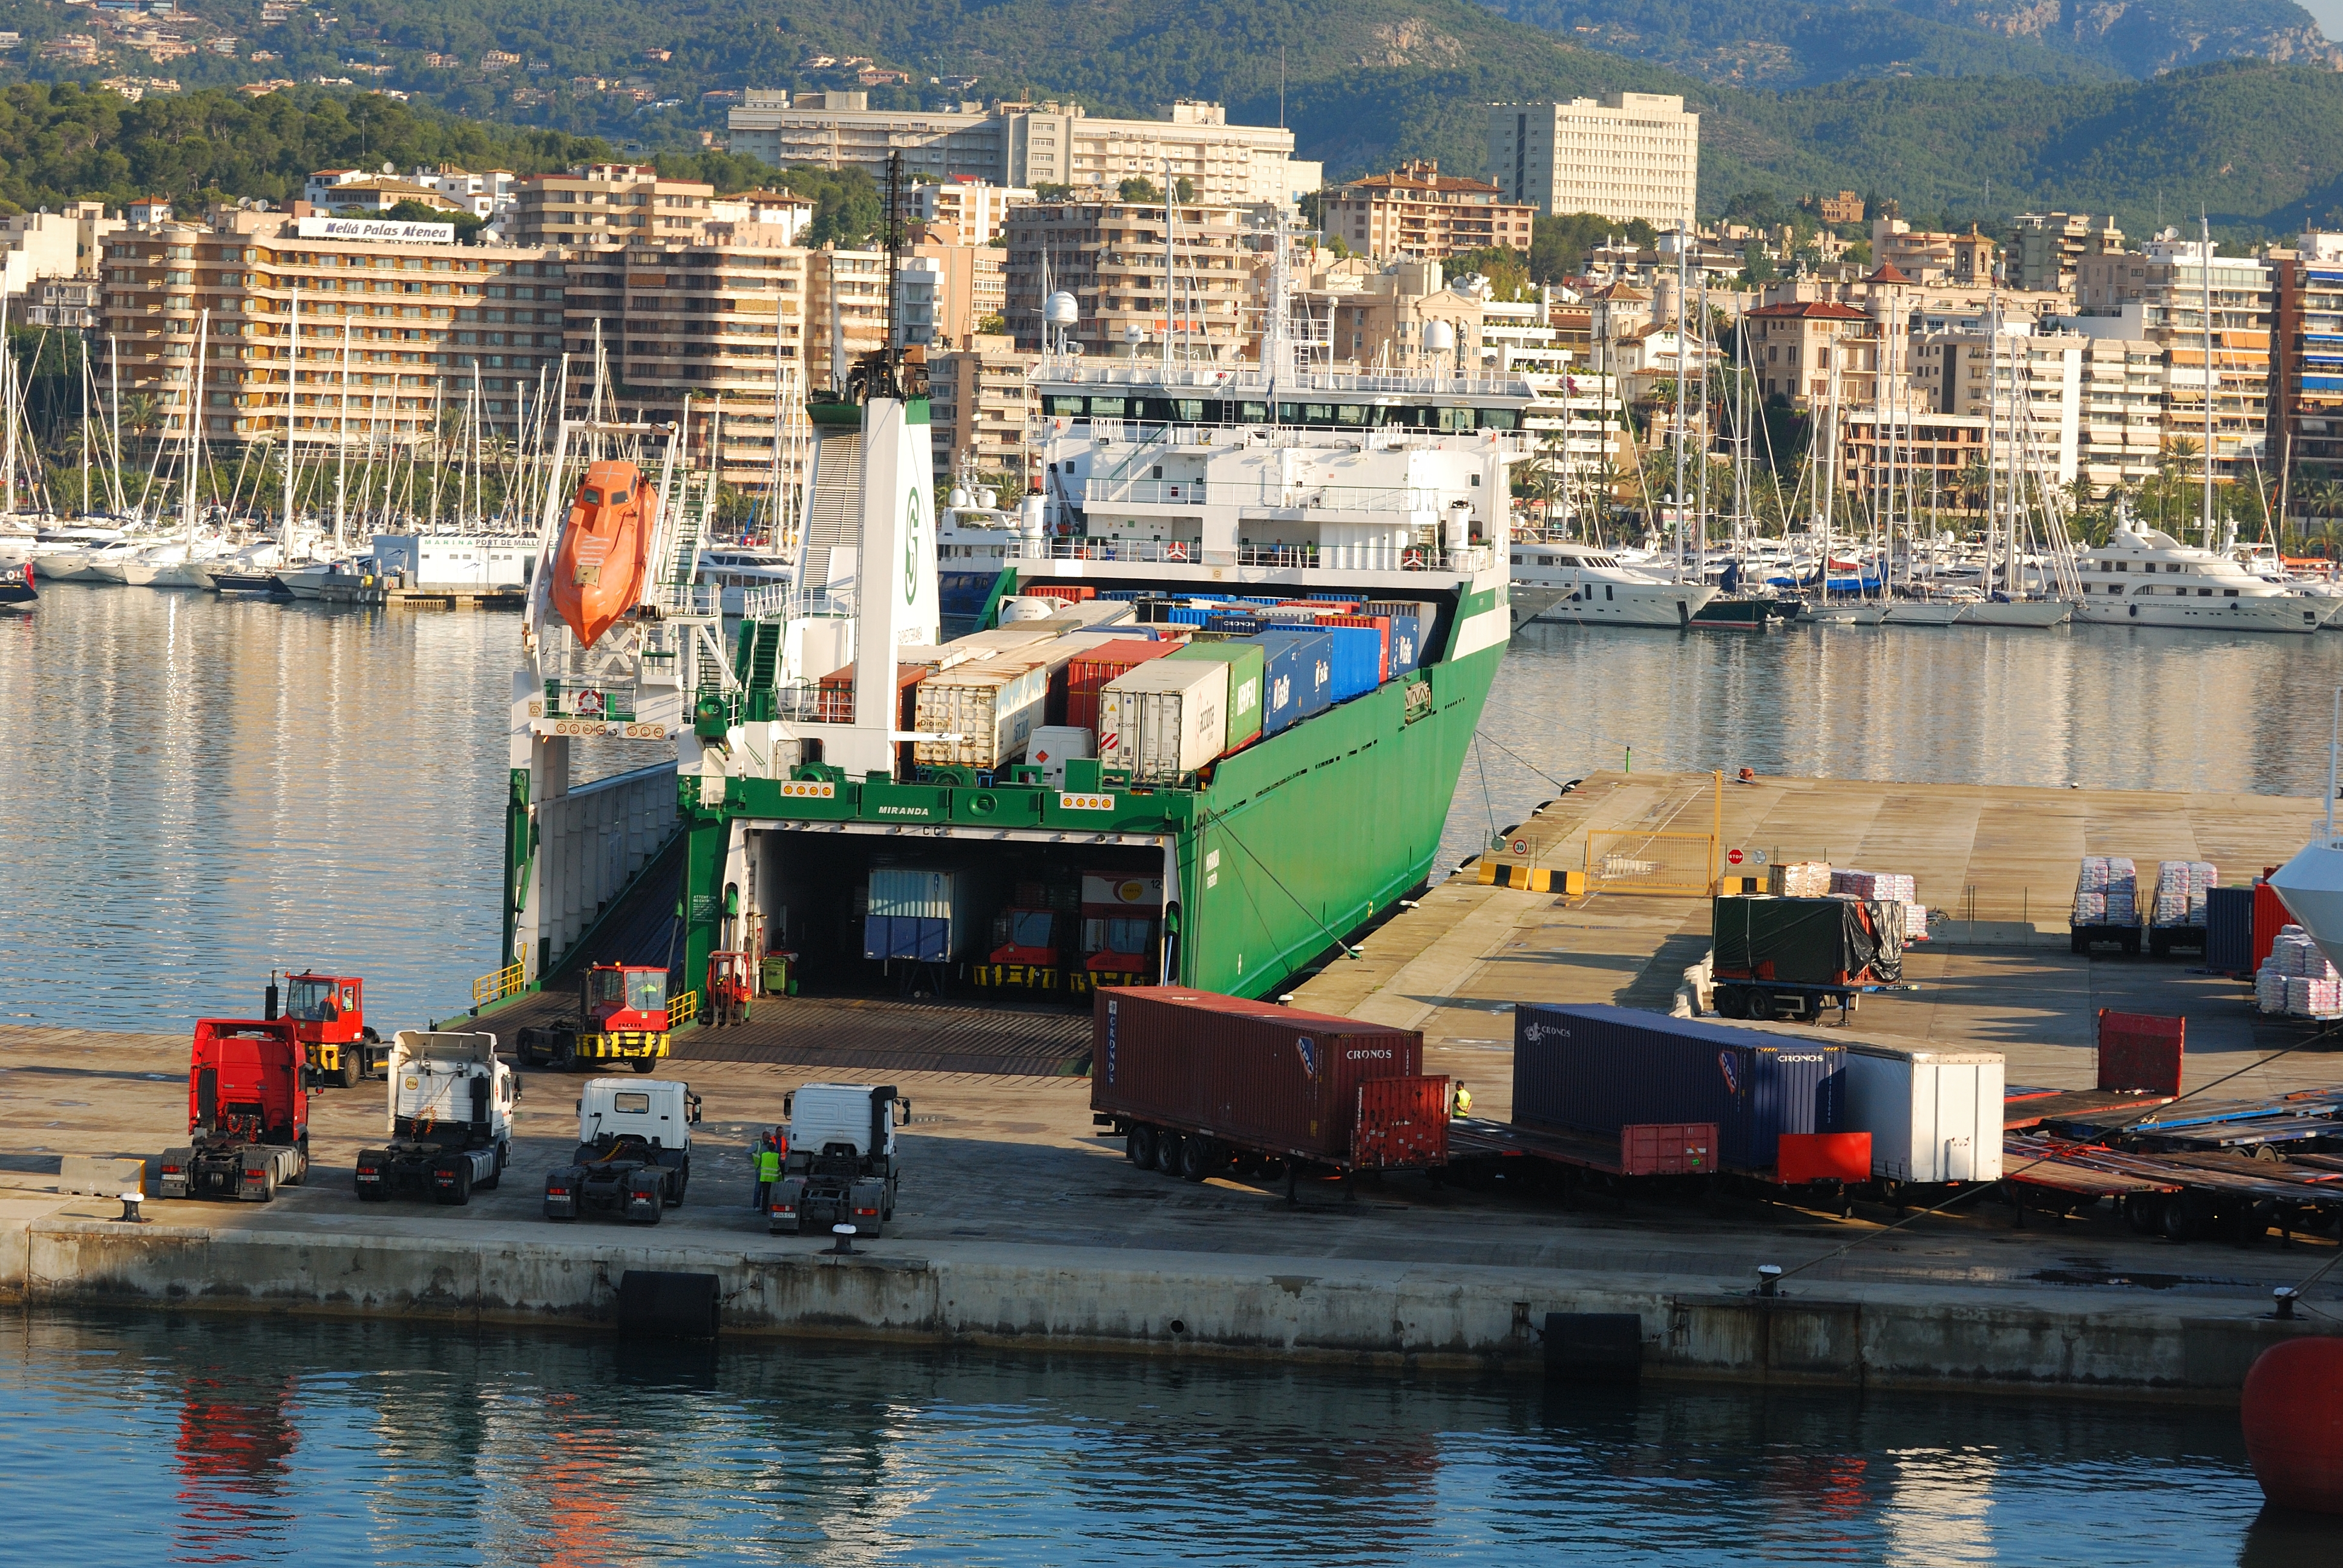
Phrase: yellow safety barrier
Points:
(1531, 879)
(504, 983)
(682, 1009)
(1634, 861)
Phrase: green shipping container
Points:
(1245, 672)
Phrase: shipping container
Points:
(1068, 593)
(1406, 646)
(2229, 931)
(1263, 1078)
(1380, 625)
(2271, 917)
(913, 937)
(1600, 1069)
(1828, 942)
(1934, 1116)
(834, 695)
(1234, 622)
(993, 706)
(937, 912)
(1423, 611)
(1297, 677)
(1089, 613)
(1093, 668)
(1245, 663)
(1163, 721)
(980, 645)
(1357, 660)
(1053, 745)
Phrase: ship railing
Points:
(1152, 552)
(809, 702)
(500, 983)
(1145, 492)
(1393, 500)
(768, 603)
(1390, 557)
(1070, 371)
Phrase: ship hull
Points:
(2270, 613)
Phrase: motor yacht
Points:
(2145, 577)
(1591, 586)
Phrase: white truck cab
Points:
(841, 1168)
(450, 1118)
(659, 1112)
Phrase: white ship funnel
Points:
(2310, 885)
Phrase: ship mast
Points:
(2204, 294)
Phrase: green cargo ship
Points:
(797, 820)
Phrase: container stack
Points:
(2297, 979)
(1799, 879)
(2106, 892)
(2180, 889)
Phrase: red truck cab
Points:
(329, 1013)
(625, 997)
(247, 1111)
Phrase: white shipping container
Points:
(993, 706)
(1090, 613)
(1934, 1116)
(1164, 719)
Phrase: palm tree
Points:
(140, 412)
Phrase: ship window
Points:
(1251, 411)
(1068, 406)
(1317, 413)
(1189, 409)
(2228, 593)
(1349, 414)
(1106, 408)
(1289, 413)
(2204, 593)
(2150, 567)
(589, 497)
(1606, 591)
(1499, 419)
(1456, 418)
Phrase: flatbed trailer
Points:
(2082, 939)
(2182, 1196)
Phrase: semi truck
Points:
(842, 1168)
(621, 1017)
(451, 1104)
(328, 1013)
(634, 1151)
(247, 1114)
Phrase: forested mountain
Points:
(1361, 82)
(1804, 43)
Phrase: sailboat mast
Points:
(2205, 294)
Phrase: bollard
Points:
(1769, 1279)
(130, 1214)
(845, 1234)
(2282, 1302)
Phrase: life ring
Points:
(1413, 561)
(1177, 550)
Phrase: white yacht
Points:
(2144, 577)
(1591, 586)
(737, 571)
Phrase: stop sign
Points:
(1733, 855)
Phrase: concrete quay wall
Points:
(1361, 1313)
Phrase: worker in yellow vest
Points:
(768, 1167)
(1463, 1099)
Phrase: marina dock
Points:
(1022, 1225)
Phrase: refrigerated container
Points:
(1163, 721)
(993, 706)
(1252, 1076)
(1053, 745)
(1245, 663)
(1600, 1069)
(1934, 1116)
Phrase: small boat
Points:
(598, 573)
(16, 588)
(1745, 612)
(225, 581)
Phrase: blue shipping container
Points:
(1297, 677)
(1180, 615)
(1406, 645)
(1230, 620)
(1358, 659)
(917, 937)
(1599, 1069)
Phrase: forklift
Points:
(621, 1017)
(328, 1013)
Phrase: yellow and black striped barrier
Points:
(1532, 879)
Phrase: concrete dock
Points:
(1020, 1226)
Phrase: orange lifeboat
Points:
(597, 574)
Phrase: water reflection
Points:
(237, 1442)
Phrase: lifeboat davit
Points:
(598, 573)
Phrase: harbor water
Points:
(197, 790)
(219, 1440)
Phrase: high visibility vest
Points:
(769, 1165)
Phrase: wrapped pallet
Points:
(2107, 891)
(1799, 879)
(2181, 886)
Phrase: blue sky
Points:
(2329, 13)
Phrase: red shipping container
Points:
(1089, 670)
(1255, 1075)
(833, 695)
(2140, 1051)
(1823, 1157)
(1668, 1149)
(1403, 1121)
(1382, 623)
(2271, 917)
(1322, 606)
(1064, 593)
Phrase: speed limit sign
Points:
(1521, 845)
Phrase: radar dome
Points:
(1439, 337)
(1062, 309)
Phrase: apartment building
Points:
(1418, 212)
(1028, 145)
(1809, 353)
(966, 211)
(1632, 155)
(70, 302)
(2306, 421)
(946, 292)
(1930, 458)
(389, 330)
(2087, 403)
(1112, 256)
(606, 204)
(2044, 248)
(847, 291)
(977, 405)
(1927, 257)
(2173, 281)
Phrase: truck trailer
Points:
(451, 1102)
(247, 1114)
(842, 1168)
(634, 1151)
